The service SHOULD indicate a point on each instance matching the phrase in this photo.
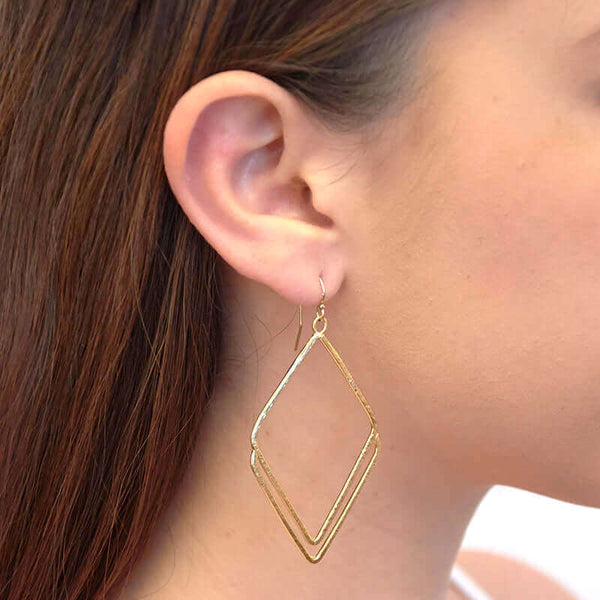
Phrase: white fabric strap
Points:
(466, 586)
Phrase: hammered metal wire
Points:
(373, 439)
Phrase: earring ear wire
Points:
(322, 303)
(299, 330)
(373, 440)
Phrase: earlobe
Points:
(235, 158)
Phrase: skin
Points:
(505, 578)
(459, 245)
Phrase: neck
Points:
(221, 538)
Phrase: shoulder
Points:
(506, 578)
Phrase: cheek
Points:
(496, 243)
(516, 251)
(529, 225)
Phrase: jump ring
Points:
(317, 319)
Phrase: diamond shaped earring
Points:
(351, 487)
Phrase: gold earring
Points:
(372, 440)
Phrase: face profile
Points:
(210, 183)
(463, 236)
(460, 241)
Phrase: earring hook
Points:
(321, 304)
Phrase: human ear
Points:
(250, 167)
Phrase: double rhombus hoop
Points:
(335, 518)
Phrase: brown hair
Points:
(111, 320)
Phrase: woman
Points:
(178, 177)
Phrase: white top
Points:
(463, 584)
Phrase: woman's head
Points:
(436, 162)
(458, 236)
